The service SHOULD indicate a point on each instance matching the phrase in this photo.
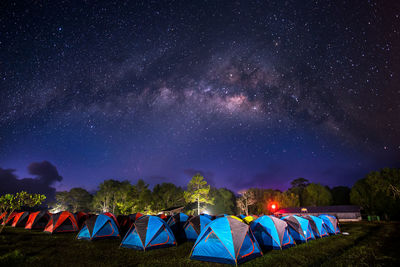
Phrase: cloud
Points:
(46, 175)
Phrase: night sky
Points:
(250, 93)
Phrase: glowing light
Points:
(273, 206)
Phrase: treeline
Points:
(378, 194)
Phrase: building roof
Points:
(320, 209)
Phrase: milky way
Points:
(248, 93)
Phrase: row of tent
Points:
(223, 239)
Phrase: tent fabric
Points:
(81, 217)
(63, 221)
(248, 219)
(99, 227)
(3, 216)
(124, 222)
(10, 219)
(136, 216)
(20, 219)
(226, 240)
(331, 224)
(37, 220)
(111, 215)
(317, 226)
(299, 228)
(176, 223)
(149, 232)
(195, 225)
(272, 233)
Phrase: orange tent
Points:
(37, 220)
(20, 219)
(63, 221)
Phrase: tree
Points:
(104, 199)
(79, 199)
(317, 195)
(143, 197)
(61, 202)
(198, 191)
(376, 193)
(287, 199)
(11, 202)
(166, 195)
(125, 198)
(224, 201)
(246, 199)
(298, 186)
(341, 195)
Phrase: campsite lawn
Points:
(368, 244)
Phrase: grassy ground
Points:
(368, 244)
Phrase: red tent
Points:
(10, 219)
(20, 219)
(2, 216)
(81, 217)
(63, 221)
(38, 220)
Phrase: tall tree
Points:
(341, 195)
(166, 195)
(298, 186)
(246, 199)
(79, 199)
(317, 195)
(224, 201)
(198, 192)
(105, 198)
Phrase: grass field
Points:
(368, 244)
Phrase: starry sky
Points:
(249, 93)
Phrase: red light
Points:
(273, 206)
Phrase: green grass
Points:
(369, 244)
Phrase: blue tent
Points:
(176, 224)
(317, 225)
(194, 226)
(241, 216)
(299, 228)
(331, 224)
(226, 240)
(209, 216)
(148, 232)
(272, 233)
(98, 227)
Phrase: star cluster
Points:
(251, 93)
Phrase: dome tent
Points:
(226, 240)
(176, 223)
(60, 222)
(149, 232)
(20, 219)
(194, 226)
(331, 224)
(299, 228)
(272, 233)
(37, 220)
(99, 227)
(317, 226)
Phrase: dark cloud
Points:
(46, 175)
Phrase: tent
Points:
(20, 219)
(249, 219)
(331, 224)
(81, 217)
(3, 216)
(176, 223)
(317, 226)
(124, 223)
(10, 219)
(111, 215)
(194, 226)
(136, 216)
(37, 220)
(226, 240)
(241, 216)
(99, 227)
(299, 228)
(211, 217)
(148, 232)
(272, 233)
(63, 221)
